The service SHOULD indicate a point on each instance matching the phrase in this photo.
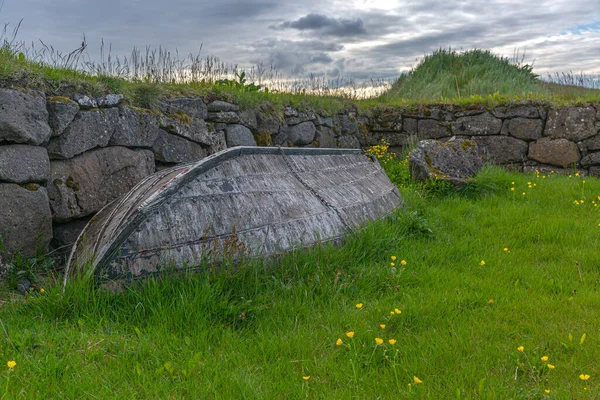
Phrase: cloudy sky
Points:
(351, 38)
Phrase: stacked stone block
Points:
(521, 137)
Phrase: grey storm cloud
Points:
(340, 65)
(297, 46)
(295, 56)
(428, 43)
(325, 25)
(333, 72)
(357, 39)
(322, 59)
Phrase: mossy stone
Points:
(60, 99)
(263, 138)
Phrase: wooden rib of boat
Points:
(261, 200)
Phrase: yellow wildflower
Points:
(403, 262)
(306, 377)
(547, 391)
(576, 173)
(350, 334)
(506, 249)
(393, 258)
(392, 341)
(482, 262)
(396, 311)
(339, 342)
(521, 349)
(392, 264)
(359, 306)
(417, 380)
(378, 340)
(512, 189)
(382, 326)
(42, 290)
(491, 301)
(550, 366)
(392, 313)
(584, 377)
(544, 358)
(11, 364)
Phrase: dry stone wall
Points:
(62, 160)
(520, 137)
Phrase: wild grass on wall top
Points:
(474, 77)
(448, 74)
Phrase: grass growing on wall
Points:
(17, 71)
(449, 74)
(493, 293)
(474, 77)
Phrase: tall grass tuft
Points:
(572, 79)
(147, 95)
(447, 74)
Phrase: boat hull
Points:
(243, 201)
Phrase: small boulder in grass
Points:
(456, 160)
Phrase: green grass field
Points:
(494, 291)
(486, 272)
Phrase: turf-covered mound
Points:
(450, 74)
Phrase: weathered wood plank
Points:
(265, 200)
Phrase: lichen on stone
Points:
(60, 99)
(142, 110)
(363, 129)
(263, 138)
(181, 116)
(70, 183)
(467, 144)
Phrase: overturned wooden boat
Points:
(255, 200)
